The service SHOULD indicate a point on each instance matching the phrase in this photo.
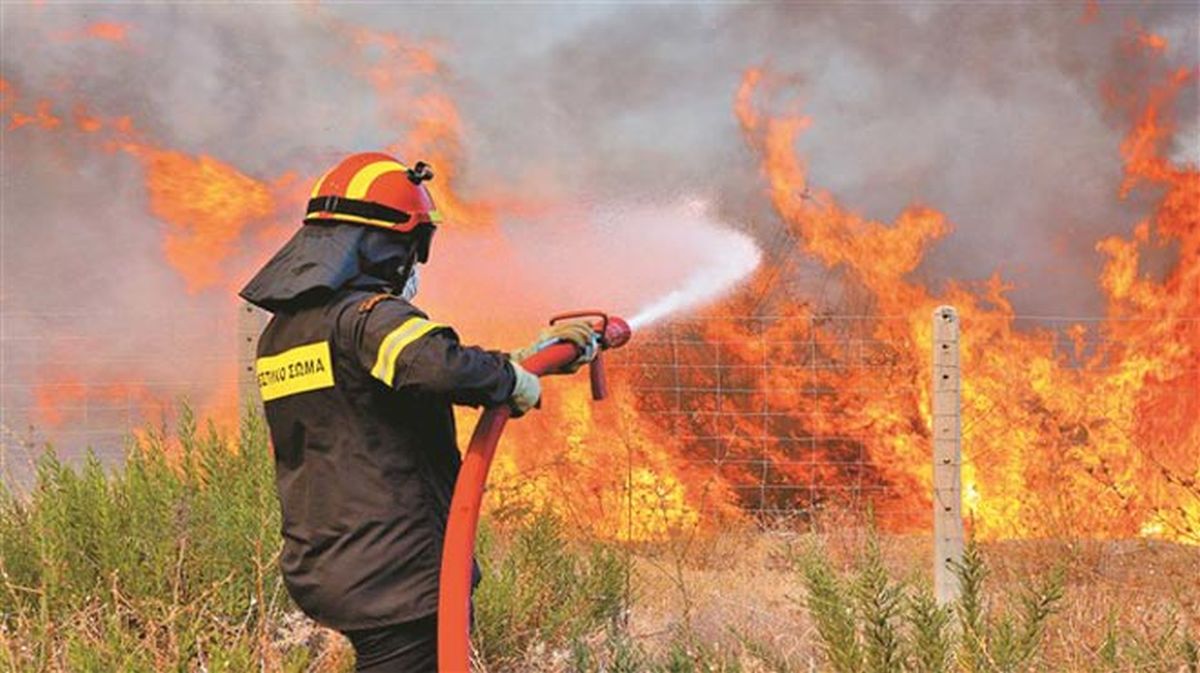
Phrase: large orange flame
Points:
(1094, 429)
(205, 204)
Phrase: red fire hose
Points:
(454, 598)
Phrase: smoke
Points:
(1002, 116)
(625, 257)
(582, 129)
(992, 114)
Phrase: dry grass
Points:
(742, 583)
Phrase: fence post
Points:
(947, 455)
(249, 325)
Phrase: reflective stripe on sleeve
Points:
(395, 343)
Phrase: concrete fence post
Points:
(250, 323)
(947, 455)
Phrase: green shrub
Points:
(833, 612)
(1126, 649)
(171, 563)
(539, 589)
(880, 602)
(1009, 640)
(930, 639)
(150, 567)
(867, 621)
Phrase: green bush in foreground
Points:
(172, 564)
(868, 622)
(541, 593)
(149, 567)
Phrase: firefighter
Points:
(358, 385)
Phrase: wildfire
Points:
(110, 31)
(1093, 427)
(1153, 41)
(615, 475)
(410, 97)
(206, 206)
(1102, 437)
(70, 392)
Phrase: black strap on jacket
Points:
(344, 206)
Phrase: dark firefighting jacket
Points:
(358, 393)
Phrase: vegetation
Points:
(170, 564)
(148, 567)
(869, 622)
(541, 594)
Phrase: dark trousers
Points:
(408, 647)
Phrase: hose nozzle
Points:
(612, 332)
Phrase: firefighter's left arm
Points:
(410, 353)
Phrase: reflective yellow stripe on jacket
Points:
(394, 344)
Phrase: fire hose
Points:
(454, 597)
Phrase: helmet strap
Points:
(423, 236)
(407, 269)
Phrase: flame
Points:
(42, 118)
(615, 475)
(1104, 441)
(109, 31)
(86, 122)
(402, 75)
(8, 95)
(1153, 41)
(206, 205)
(63, 394)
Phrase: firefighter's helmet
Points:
(374, 189)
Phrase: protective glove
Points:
(578, 332)
(527, 391)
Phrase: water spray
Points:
(738, 258)
(454, 596)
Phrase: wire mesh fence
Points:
(85, 380)
(766, 403)
(1070, 425)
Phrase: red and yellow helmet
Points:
(374, 189)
